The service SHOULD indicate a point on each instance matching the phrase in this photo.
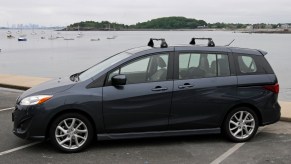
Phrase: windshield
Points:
(102, 65)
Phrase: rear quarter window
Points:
(252, 64)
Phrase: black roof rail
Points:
(163, 42)
(210, 41)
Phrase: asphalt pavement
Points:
(271, 145)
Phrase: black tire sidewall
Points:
(226, 129)
(71, 115)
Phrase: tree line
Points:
(165, 23)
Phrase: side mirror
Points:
(118, 80)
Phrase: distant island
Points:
(178, 23)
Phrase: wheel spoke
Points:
(246, 117)
(238, 130)
(62, 129)
(70, 143)
(73, 122)
(80, 137)
(246, 130)
(76, 141)
(65, 140)
(65, 122)
(62, 135)
(248, 121)
(236, 117)
(241, 115)
(233, 128)
(79, 125)
(234, 123)
(249, 126)
(81, 131)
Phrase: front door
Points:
(143, 104)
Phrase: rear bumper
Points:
(271, 115)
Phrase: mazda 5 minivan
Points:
(152, 92)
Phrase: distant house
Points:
(268, 26)
(249, 27)
(200, 27)
(285, 26)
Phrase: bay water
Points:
(64, 53)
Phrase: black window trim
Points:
(260, 70)
(169, 69)
(229, 55)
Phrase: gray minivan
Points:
(151, 92)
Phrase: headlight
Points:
(32, 100)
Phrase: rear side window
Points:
(247, 64)
(196, 65)
(252, 65)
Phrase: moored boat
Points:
(22, 39)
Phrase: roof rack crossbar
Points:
(210, 41)
(163, 42)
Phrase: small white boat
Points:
(10, 36)
(95, 39)
(113, 37)
(69, 39)
(21, 39)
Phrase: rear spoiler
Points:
(263, 52)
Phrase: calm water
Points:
(59, 57)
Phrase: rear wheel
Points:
(241, 124)
(71, 132)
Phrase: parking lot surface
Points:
(271, 145)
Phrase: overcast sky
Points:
(65, 12)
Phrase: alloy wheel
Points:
(242, 124)
(71, 133)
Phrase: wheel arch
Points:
(73, 110)
(250, 106)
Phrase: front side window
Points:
(196, 65)
(147, 69)
(247, 64)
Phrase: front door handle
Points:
(159, 88)
(186, 85)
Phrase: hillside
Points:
(159, 23)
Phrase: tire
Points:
(240, 125)
(68, 138)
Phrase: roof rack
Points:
(210, 41)
(163, 42)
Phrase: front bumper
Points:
(29, 122)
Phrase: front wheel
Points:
(241, 124)
(71, 132)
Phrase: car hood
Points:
(49, 88)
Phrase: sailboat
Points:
(111, 37)
(22, 37)
(33, 32)
(9, 33)
(80, 35)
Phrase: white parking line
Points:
(18, 148)
(230, 151)
(227, 153)
(1, 110)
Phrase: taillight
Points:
(273, 88)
